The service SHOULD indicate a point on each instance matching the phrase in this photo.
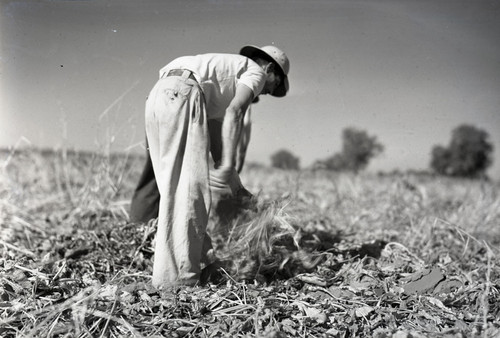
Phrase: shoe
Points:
(211, 273)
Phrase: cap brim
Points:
(251, 51)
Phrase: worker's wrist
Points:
(225, 168)
(226, 165)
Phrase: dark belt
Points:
(180, 72)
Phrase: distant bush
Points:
(284, 159)
(469, 153)
(358, 148)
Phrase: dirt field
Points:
(322, 255)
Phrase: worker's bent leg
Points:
(146, 198)
(177, 133)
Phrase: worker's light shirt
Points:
(218, 76)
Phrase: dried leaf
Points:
(108, 291)
(288, 326)
(363, 311)
(312, 279)
(338, 292)
(437, 302)
(423, 281)
(312, 312)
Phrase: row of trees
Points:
(468, 154)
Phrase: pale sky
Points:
(76, 73)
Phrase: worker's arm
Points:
(244, 140)
(215, 130)
(231, 126)
(231, 129)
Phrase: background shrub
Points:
(284, 159)
(469, 153)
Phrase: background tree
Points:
(284, 159)
(358, 148)
(469, 153)
(337, 162)
(440, 159)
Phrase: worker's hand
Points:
(236, 186)
(219, 180)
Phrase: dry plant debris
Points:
(320, 255)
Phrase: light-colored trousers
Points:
(177, 133)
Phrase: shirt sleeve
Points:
(253, 77)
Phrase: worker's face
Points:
(272, 82)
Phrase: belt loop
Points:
(186, 74)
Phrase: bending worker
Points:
(146, 199)
(191, 91)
